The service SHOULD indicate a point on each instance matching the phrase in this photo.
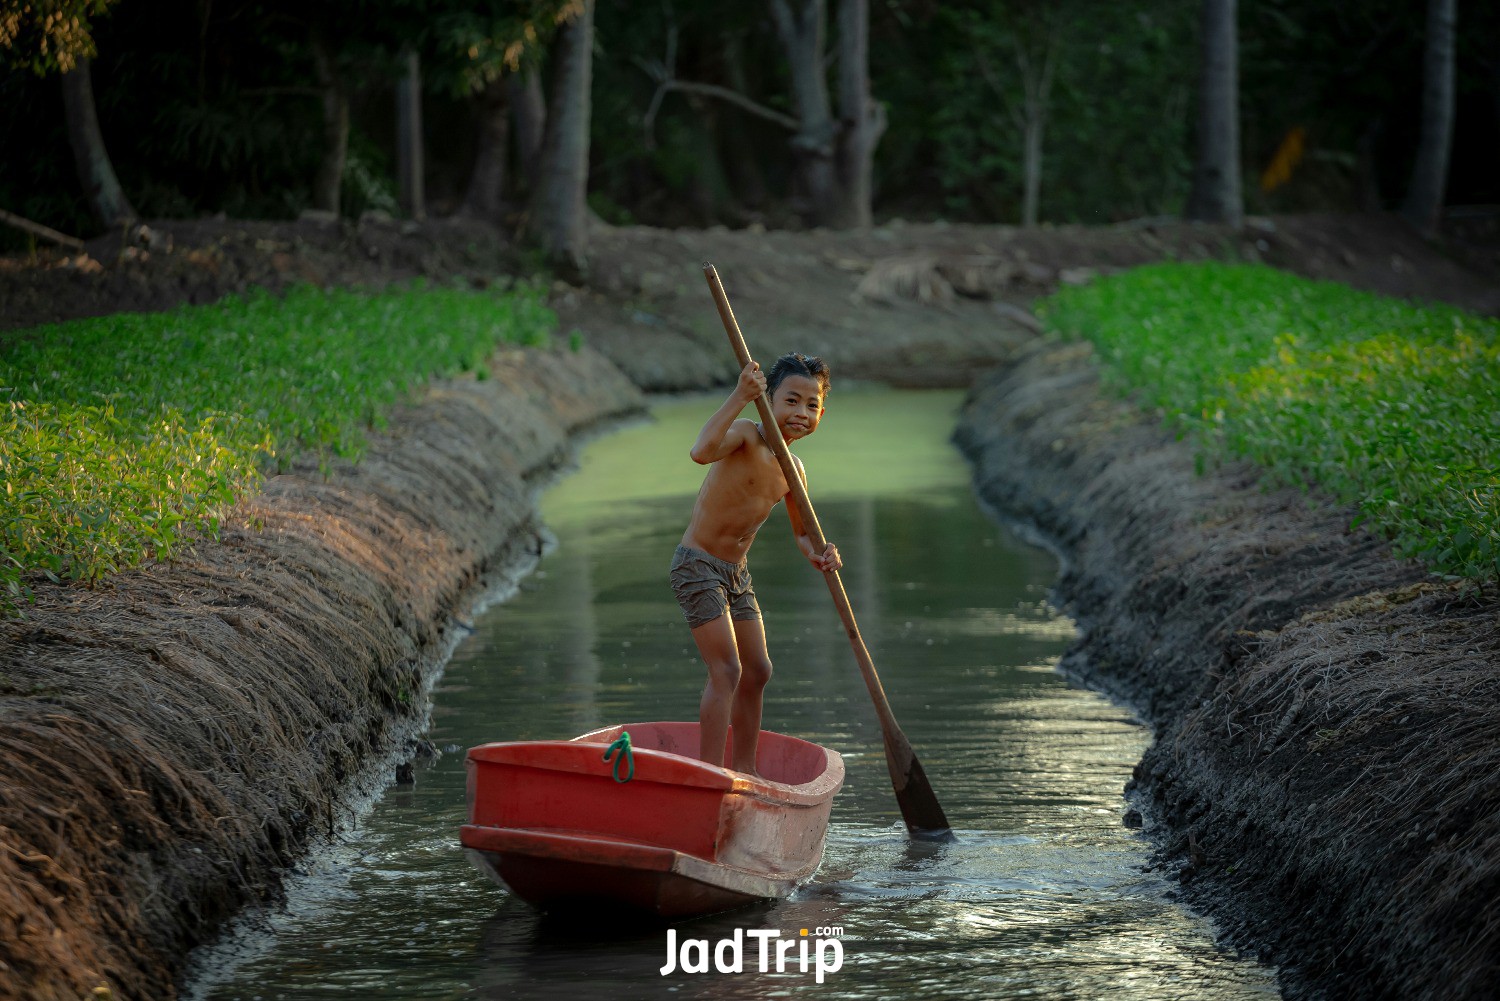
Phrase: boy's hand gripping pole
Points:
(919, 805)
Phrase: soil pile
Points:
(174, 739)
(1325, 778)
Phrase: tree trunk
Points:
(487, 181)
(1216, 194)
(330, 176)
(95, 171)
(862, 120)
(1429, 175)
(409, 139)
(1031, 165)
(801, 33)
(558, 209)
(530, 110)
(1036, 82)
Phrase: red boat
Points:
(551, 820)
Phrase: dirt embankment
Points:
(1326, 772)
(912, 304)
(170, 742)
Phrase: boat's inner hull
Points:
(550, 821)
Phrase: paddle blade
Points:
(919, 804)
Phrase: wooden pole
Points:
(919, 804)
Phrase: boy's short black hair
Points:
(795, 363)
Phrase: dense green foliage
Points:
(215, 107)
(1389, 406)
(122, 436)
(1117, 110)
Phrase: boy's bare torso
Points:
(737, 497)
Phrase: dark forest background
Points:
(218, 106)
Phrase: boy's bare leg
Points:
(755, 671)
(716, 645)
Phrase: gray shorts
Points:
(707, 587)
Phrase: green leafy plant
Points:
(124, 436)
(1388, 406)
(367, 180)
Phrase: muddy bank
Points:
(1325, 778)
(170, 742)
(173, 740)
(929, 305)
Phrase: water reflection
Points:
(1042, 895)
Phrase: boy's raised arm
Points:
(716, 440)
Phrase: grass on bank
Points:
(1389, 406)
(122, 436)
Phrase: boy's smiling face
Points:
(797, 406)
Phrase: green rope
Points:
(626, 754)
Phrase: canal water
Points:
(1043, 894)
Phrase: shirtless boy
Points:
(709, 574)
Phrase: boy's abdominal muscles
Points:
(720, 533)
(733, 503)
(730, 547)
